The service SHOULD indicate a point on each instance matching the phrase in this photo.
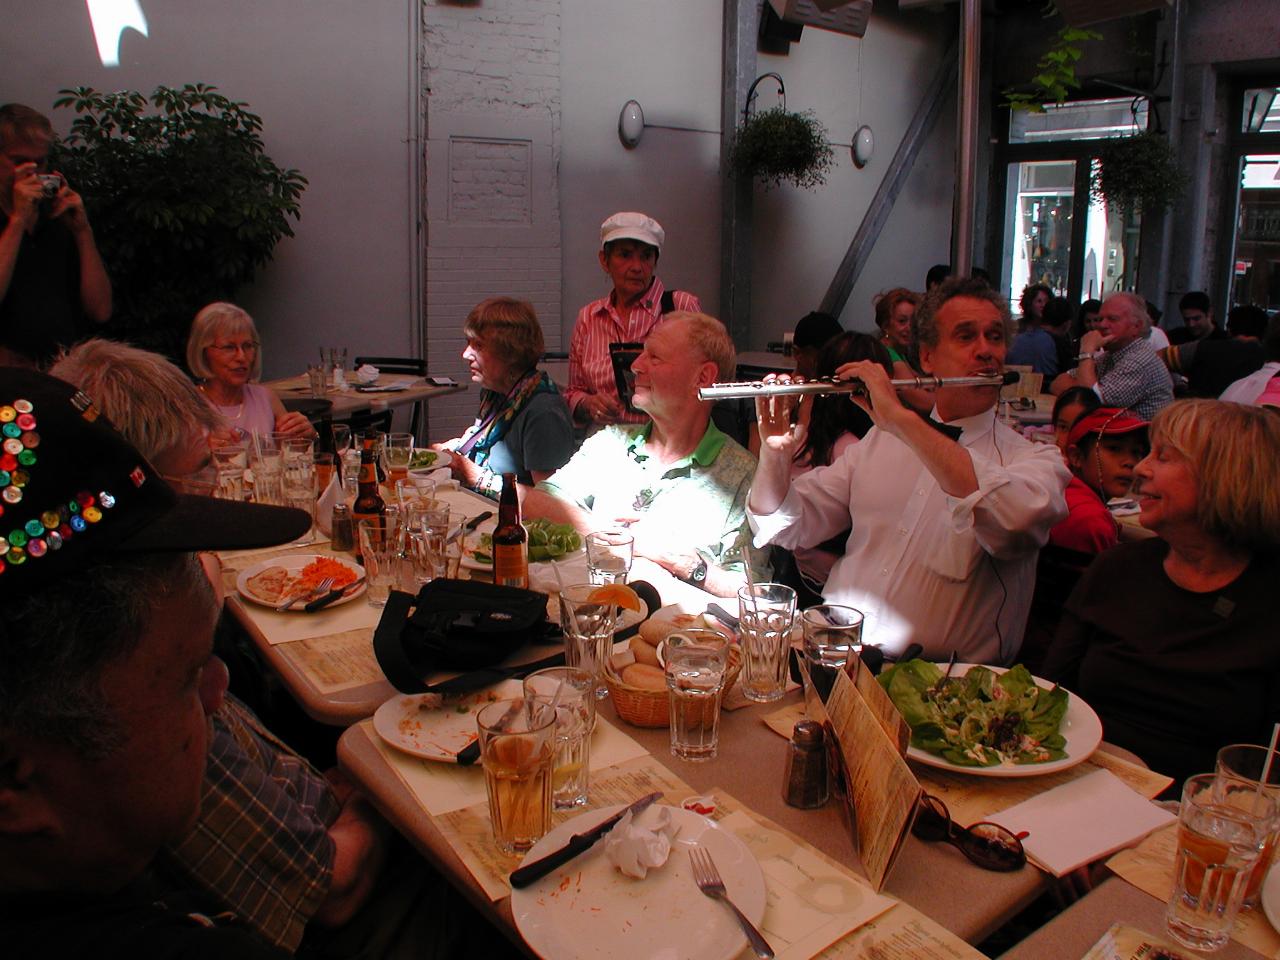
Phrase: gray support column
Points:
(966, 137)
(741, 23)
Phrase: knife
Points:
(579, 842)
(476, 521)
(332, 596)
(723, 615)
(468, 754)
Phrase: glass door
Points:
(1255, 270)
(1038, 232)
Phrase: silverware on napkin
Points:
(333, 596)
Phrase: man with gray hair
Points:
(1117, 363)
(677, 483)
(946, 514)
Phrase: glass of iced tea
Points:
(1222, 827)
(573, 692)
(517, 749)
(1246, 762)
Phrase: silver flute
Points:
(761, 388)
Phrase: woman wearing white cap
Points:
(629, 247)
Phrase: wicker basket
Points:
(648, 708)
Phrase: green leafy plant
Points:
(1055, 73)
(778, 146)
(186, 205)
(1137, 173)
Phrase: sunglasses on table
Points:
(989, 845)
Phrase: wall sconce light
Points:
(863, 145)
(630, 124)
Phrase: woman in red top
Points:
(1103, 448)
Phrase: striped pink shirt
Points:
(599, 324)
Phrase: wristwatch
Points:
(698, 575)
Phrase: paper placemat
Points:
(341, 661)
(1149, 867)
(1123, 942)
(813, 901)
(280, 628)
(1082, 821)
(902, 933)
(445, 787)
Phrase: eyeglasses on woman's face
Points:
(231, 349)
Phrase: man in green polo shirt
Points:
(677, 483)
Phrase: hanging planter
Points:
(1137, 173)
(778, 146)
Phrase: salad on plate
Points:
(982, 719)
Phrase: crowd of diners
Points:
(144, 811)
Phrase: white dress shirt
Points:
(922, 566)
(1248, 389)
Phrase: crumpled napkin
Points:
(366, 373)
(635, 850)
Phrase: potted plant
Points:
(778, 146)
(185, 203)
(1137, 173)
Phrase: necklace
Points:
(204, 387)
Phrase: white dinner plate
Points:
(472, 543)
(443, 459)
(294, 565)
(589, 910)
(1080, 727)
(413, 724)
(1270, 896)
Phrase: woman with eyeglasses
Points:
(224, 353)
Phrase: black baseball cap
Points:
(73, 490)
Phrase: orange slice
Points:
(618, 594)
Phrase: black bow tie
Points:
(945, 429)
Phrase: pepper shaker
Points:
(342, 532)
(804, 782)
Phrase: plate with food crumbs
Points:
(433, 727)
(271, 582)
(589, 910)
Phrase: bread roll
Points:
(664, 623)
(643, 652)
(644, 676)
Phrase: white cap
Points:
(632, 226)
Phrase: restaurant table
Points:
(1041, 413)
(1069, 935)
(349, 401)
(342, 707)
(754, 364)
(934, 878)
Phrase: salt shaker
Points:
(804, 782)
(342, 533)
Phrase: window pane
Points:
(1256, 271)
(1110, 250)
(1261, 111)
(1038, 230)
(1079, 120)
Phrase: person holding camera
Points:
(53, 285)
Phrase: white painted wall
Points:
(666, 55)
(331, 80)
(802, 235)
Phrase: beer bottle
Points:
(510, 539)
(369, 504)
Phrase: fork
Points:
(321, 588)
(707, 877)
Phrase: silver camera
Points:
(50, 183)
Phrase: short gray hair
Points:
(710, 337)
(219, 319)
(60, 639)
(924, 325)
(153, 403)
(1136, 308)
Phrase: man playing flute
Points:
(948, 513)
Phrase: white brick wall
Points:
(492, 89)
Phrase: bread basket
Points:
(648, 708)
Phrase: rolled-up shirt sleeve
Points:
(1016, 504)
(815, 509)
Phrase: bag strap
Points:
(668, 301)
(404, 674)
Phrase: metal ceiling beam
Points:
(891, 185)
